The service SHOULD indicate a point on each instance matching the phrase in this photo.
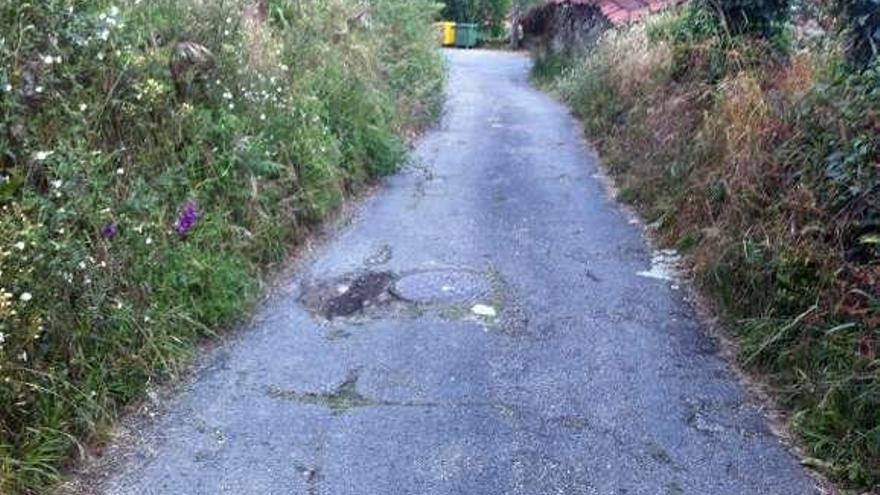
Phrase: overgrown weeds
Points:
(155, 157)
(763, 169)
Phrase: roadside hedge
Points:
(155, 158)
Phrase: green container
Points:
(467, 35)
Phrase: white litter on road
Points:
(664, 266)
(483, 310)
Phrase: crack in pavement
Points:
(346, 397)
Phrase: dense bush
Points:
(490, 12)
(863, 29)
(761, 17)
(767, 179)
(155, 156)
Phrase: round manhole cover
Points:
(443, 287)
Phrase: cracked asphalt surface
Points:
(590, 380)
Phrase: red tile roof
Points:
(624, 11)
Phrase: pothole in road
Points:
(348, 295)
(377, 294)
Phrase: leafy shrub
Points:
(863, 29)
(138, 209)
(705, 49)
(754, 17)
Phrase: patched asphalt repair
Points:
(480, 327)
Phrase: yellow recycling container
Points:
(446, 32)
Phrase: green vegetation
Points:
(155, 157)
(490, 12)
(863, 29)
(755, 17)
(761, 165)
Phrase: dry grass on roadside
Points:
(759, 169)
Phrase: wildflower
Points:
(38, 89)
(25, 297)
(56, 184)
(2, 338)
(20, 245)
(43, 155)
(120, 171)
(188, 218)
(110, 231)
(148, 241)
(83, 107)
(7, 88)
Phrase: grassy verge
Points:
(145, 184)
(763, 170)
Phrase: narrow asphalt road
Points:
(589, 378)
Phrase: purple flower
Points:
(188, 218)
(110, 231)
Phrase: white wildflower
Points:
(20, 245)
(120, 171)
(43, 155)
(26, 296)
